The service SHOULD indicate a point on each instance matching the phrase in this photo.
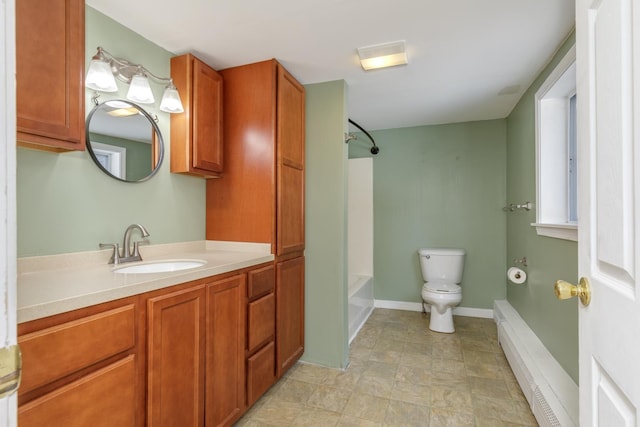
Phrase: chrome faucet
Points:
(126, 256)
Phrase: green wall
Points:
(326, 323)
(66, 204)
(554, 322)
(439, 186)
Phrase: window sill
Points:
(558, 231)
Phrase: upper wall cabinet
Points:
(50, 74)
(196, 135)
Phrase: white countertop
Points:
(55, 284)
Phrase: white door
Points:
(8, 405)
(608, 91)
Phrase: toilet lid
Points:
(444, 288)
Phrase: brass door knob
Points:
(566, 290)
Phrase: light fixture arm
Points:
(105, 66)
(124, 69)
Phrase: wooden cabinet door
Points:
(103, 398)
(289, 313)
(207, 118)
(176, 354)
(196, 134)
(50, 74)
(225, 377)
(290, 169)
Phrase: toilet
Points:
(442, 272)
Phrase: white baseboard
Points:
(398, 305)
(550, 391)
(486, 313)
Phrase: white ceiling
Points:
(468, 59)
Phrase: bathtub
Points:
(360, 303)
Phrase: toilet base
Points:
(441, 322)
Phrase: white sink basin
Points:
(160, 266)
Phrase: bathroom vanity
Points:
(190, 348)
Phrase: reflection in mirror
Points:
(124, 141)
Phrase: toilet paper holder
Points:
(511, 207)
(522, 261)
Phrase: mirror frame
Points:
(156, 129)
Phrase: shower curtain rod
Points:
(374, 150)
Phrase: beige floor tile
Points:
(380, 369)
(423, 348)
(476, 357)
(386, 356)
(329, 398)
(316, 418)
(309, 373)
(389, 344)
(411, 393)
(400, 373)
(451, 398)
(447, 351)
(347, 421)
(375, 386)
(367, 407)
(489, 387)
(293, 390)
(484, 370)
(346, 380)
(445, 368)
(444, 417)
(413, 375)
(417, 360)
(360, 353)
(278, 412)
(506, 410)
(406, 414)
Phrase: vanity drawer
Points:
(261, 322)
(105, 397)
(261, 282)
(260, 373)
(54, 352)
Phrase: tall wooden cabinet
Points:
(50, 74)
(260, 197)
(196, 134)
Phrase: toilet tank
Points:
(442, 264)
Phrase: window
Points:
(556, 160)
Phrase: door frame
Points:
(8, 224)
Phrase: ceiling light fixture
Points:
(383, 55)
(105, 67)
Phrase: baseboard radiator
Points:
(550, 391)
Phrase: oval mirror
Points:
(124, 141)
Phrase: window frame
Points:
(552, 129)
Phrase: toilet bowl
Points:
(442, 297)
(442, 271)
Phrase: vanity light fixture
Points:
(105, 68)
(383, 55)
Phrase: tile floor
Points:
(402, 374)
